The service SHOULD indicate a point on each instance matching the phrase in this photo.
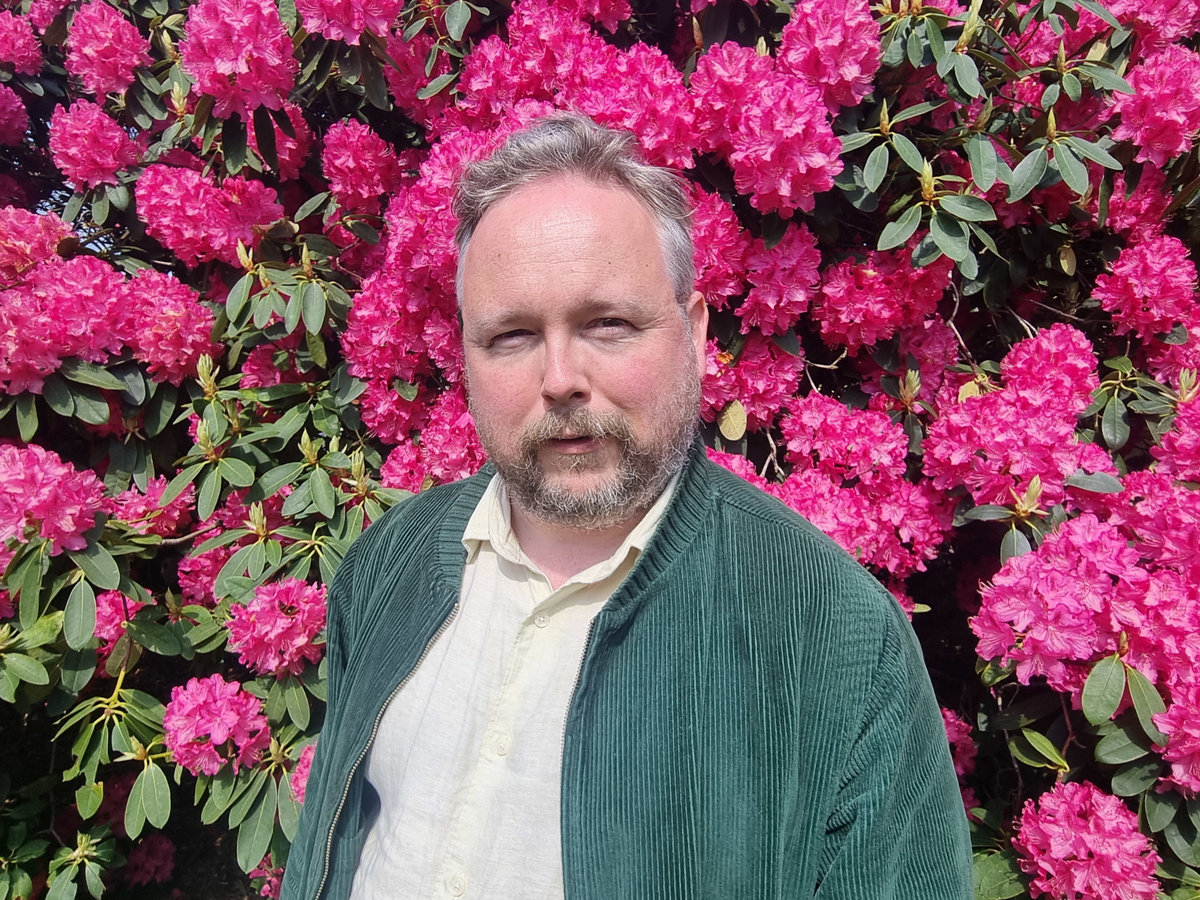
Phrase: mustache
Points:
(578, 422)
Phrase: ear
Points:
(696, 315)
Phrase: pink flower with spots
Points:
(88, 147)
(239, 53)
(1078, 841)
(104, 49)
(1162, 115)
(211, 723)
(274, 633)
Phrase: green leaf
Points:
(264, 137)
(239, 294)
(156, 795)
(291, 313)
(44, 631)
(1071, 87)
(254, 834)
(1133, 778)
(235, 471)
(64, 886)
(966, 73)
(1027, 174)
(1104, 78)
(311, 205)
(967, 208)
(997, 876)
(159, 410)
(988, 512)
(457, 18)
(90, 405)
(58, 396)
(27, 417)
(1160, 809)
(79, 621)
(876, 168)
(856, 139)
(179, 483)
(135, 810)
(1094, 152)
(1014, 543)
(1121, 747)
(1147, 702)
(1114, 423)
(88, 798)
(1098, 9)
(436, 86)
(1073, 172)
(1045, 748)
(1183, 840)
(209, 493)
(233, 143)
(274, 479)
(950, 236)
(82, 372)
(165, 640)
(981, 154)
(323, 495)
(98, 565)
(1103, 690)
(289, 809)
(1096, 482)
(908, 152)
(312, 306)
(297, 702)
(25, 668)
(896, 233)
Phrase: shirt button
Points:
(542, 620)
(457, 885)
(503, 745)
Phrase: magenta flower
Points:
(171, 329)
(14, 120)
(145, 514)
(240, 54)
(274, 633)
(1152, 287)
(104, 49)
(88, 147)
(359, 164)
(211, 722)
(784, 280)
(299, 776)
(1162, 116)
(18, 44)
(346, 20)
(27, 239)
(834, 46)
(113, 610)
(42, 495)
(1078, 841)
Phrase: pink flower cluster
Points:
(995, 443)
(346, 20)
(359, 165)
(1056, 611)
(40, 495)
(144, 512)
(14, 120)
(239, 53)
(88, 147)
(291, 151)
(199, 220)
(299, 776)
(274, 633)
(211, 722)
(834, 46)
(1078, 841)
(18, 44)
(963, 751)
(863, 302)
(762, 378)
(1162, 115)
(1152, 287)
(784, 279)
(173, 329)
(448, 449)
(769, 124)
(104, 49)
(721, 248)
(27, 239)
(113, 610)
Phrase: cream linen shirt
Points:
(467, 762)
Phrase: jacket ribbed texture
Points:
(752, 718)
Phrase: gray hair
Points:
(572, 144)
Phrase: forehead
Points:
(563, 234)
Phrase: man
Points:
(605, 667)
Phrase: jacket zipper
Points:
(337, 813)
(575, 687)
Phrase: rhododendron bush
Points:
(949, 253)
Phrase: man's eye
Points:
(509, 338)
(611, 324)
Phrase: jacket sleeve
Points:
(898, 829)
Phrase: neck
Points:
(561, 551)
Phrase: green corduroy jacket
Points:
(751, 718)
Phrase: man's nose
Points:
(564, 380)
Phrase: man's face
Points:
(583, 371)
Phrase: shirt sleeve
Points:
(898, 829)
